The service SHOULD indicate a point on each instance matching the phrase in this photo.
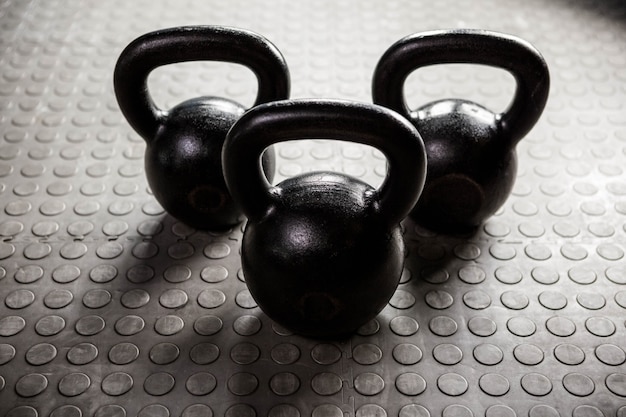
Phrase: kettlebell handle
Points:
(468, 46)
(192, 43)
(363, 123)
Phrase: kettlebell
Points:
(184, 144)
(322, 252)
(472, 162)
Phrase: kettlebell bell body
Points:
(184, 144)
(472, 161)
(322, 252)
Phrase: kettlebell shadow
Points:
(431, 256)
(162, 268)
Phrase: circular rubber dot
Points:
(159, 383)
(402, 300)
(201, 383)
(164, 353)
(244, 300)
(284, 410)
(245, 353)
(181, 250)
(82, 354)
(370, 410)
(439, 300)
(600, 326)
(477, 300)
(587, 411)
(31, 385)
(211, 298)
(508, 275)
(214, 274)
(40, 354)
(96, 298)
(407, 354)
(66, 411)
(117, 383)
(414, 410)
(326, 383)
(36, 251)
(521, 326)
(123, 353)
(500, 410)
(285, 353)
(129, 325)
(443, 326)
(552, 300)
(154, 410)
(528, 354)
(514, 300)
(48, 326)
(543, 410)
(447, 354)
(367, 354)
(452, 384)
(327, 410)
(74, 384)
(208, 325)
(19, 299)
(495, 385)
(488, 354)
(111, 410)
(325, 354)
(22, 411)
(467, 251)
(284, 383)
(103, 273)
(247, 325)
(204, 353)
(560, 326)
(242, 383)
(578, 384)
(410, 384)
(217, 250)
(169, 325)
(7, 353)
(90, 325)
(544, 275)
(569, 354)
(616, 383)
(610, 354)
(482, 326)
(472, 274)
(197, 410)
(536, 384)
(369, 383)
(591, 301)
(173, 298)
(404, 325)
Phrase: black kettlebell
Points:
(472, 162)
(184, 144)
(322, 252)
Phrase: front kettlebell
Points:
(322, 252)
(184, 144)
(472, 162)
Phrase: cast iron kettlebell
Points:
(322, 252)
(184, 144)
(471, 151)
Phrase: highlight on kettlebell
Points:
(472, 162)
(184, 144)
(306, 237)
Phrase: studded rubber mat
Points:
(110, 307)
